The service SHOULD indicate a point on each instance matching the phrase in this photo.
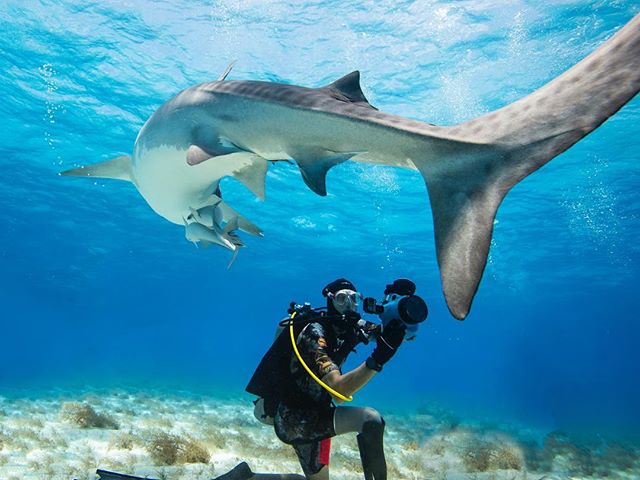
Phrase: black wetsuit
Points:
(304, 419)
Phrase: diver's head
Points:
(342, 296)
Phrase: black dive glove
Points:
(386, 344)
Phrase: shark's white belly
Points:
(173, 188)
(168, 184)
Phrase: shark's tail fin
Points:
(509, 144)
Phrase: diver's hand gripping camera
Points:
(400, 302)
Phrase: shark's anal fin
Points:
(314, 165)
(118, 168)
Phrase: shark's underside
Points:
(234, 128)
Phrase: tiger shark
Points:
(236, 128)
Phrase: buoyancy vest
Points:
(273, 381)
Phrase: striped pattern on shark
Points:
(234, 128)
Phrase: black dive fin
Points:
(239, 472)
(371, 446)
(106, 475)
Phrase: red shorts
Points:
(314, 455)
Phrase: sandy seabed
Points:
(69, 435)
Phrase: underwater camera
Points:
(400, 302)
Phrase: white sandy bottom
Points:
(39, 438)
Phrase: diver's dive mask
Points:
(345, 300)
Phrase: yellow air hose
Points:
(313, 375)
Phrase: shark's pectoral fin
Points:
(314, 166)
(118, 168)
(247, 167)
(253, 174)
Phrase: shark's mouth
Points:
(216, 223)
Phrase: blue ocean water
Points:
(98, 290)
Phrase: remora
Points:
(223, 128)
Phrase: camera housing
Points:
(400, 302)
(411, 309)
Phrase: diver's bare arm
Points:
(350, 382)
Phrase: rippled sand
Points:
(69, 435)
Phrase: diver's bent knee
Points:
(371, 415)
(372, 419)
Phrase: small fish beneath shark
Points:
(235, 128)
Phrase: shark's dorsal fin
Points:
(348, 89)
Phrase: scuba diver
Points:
(299, 381)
